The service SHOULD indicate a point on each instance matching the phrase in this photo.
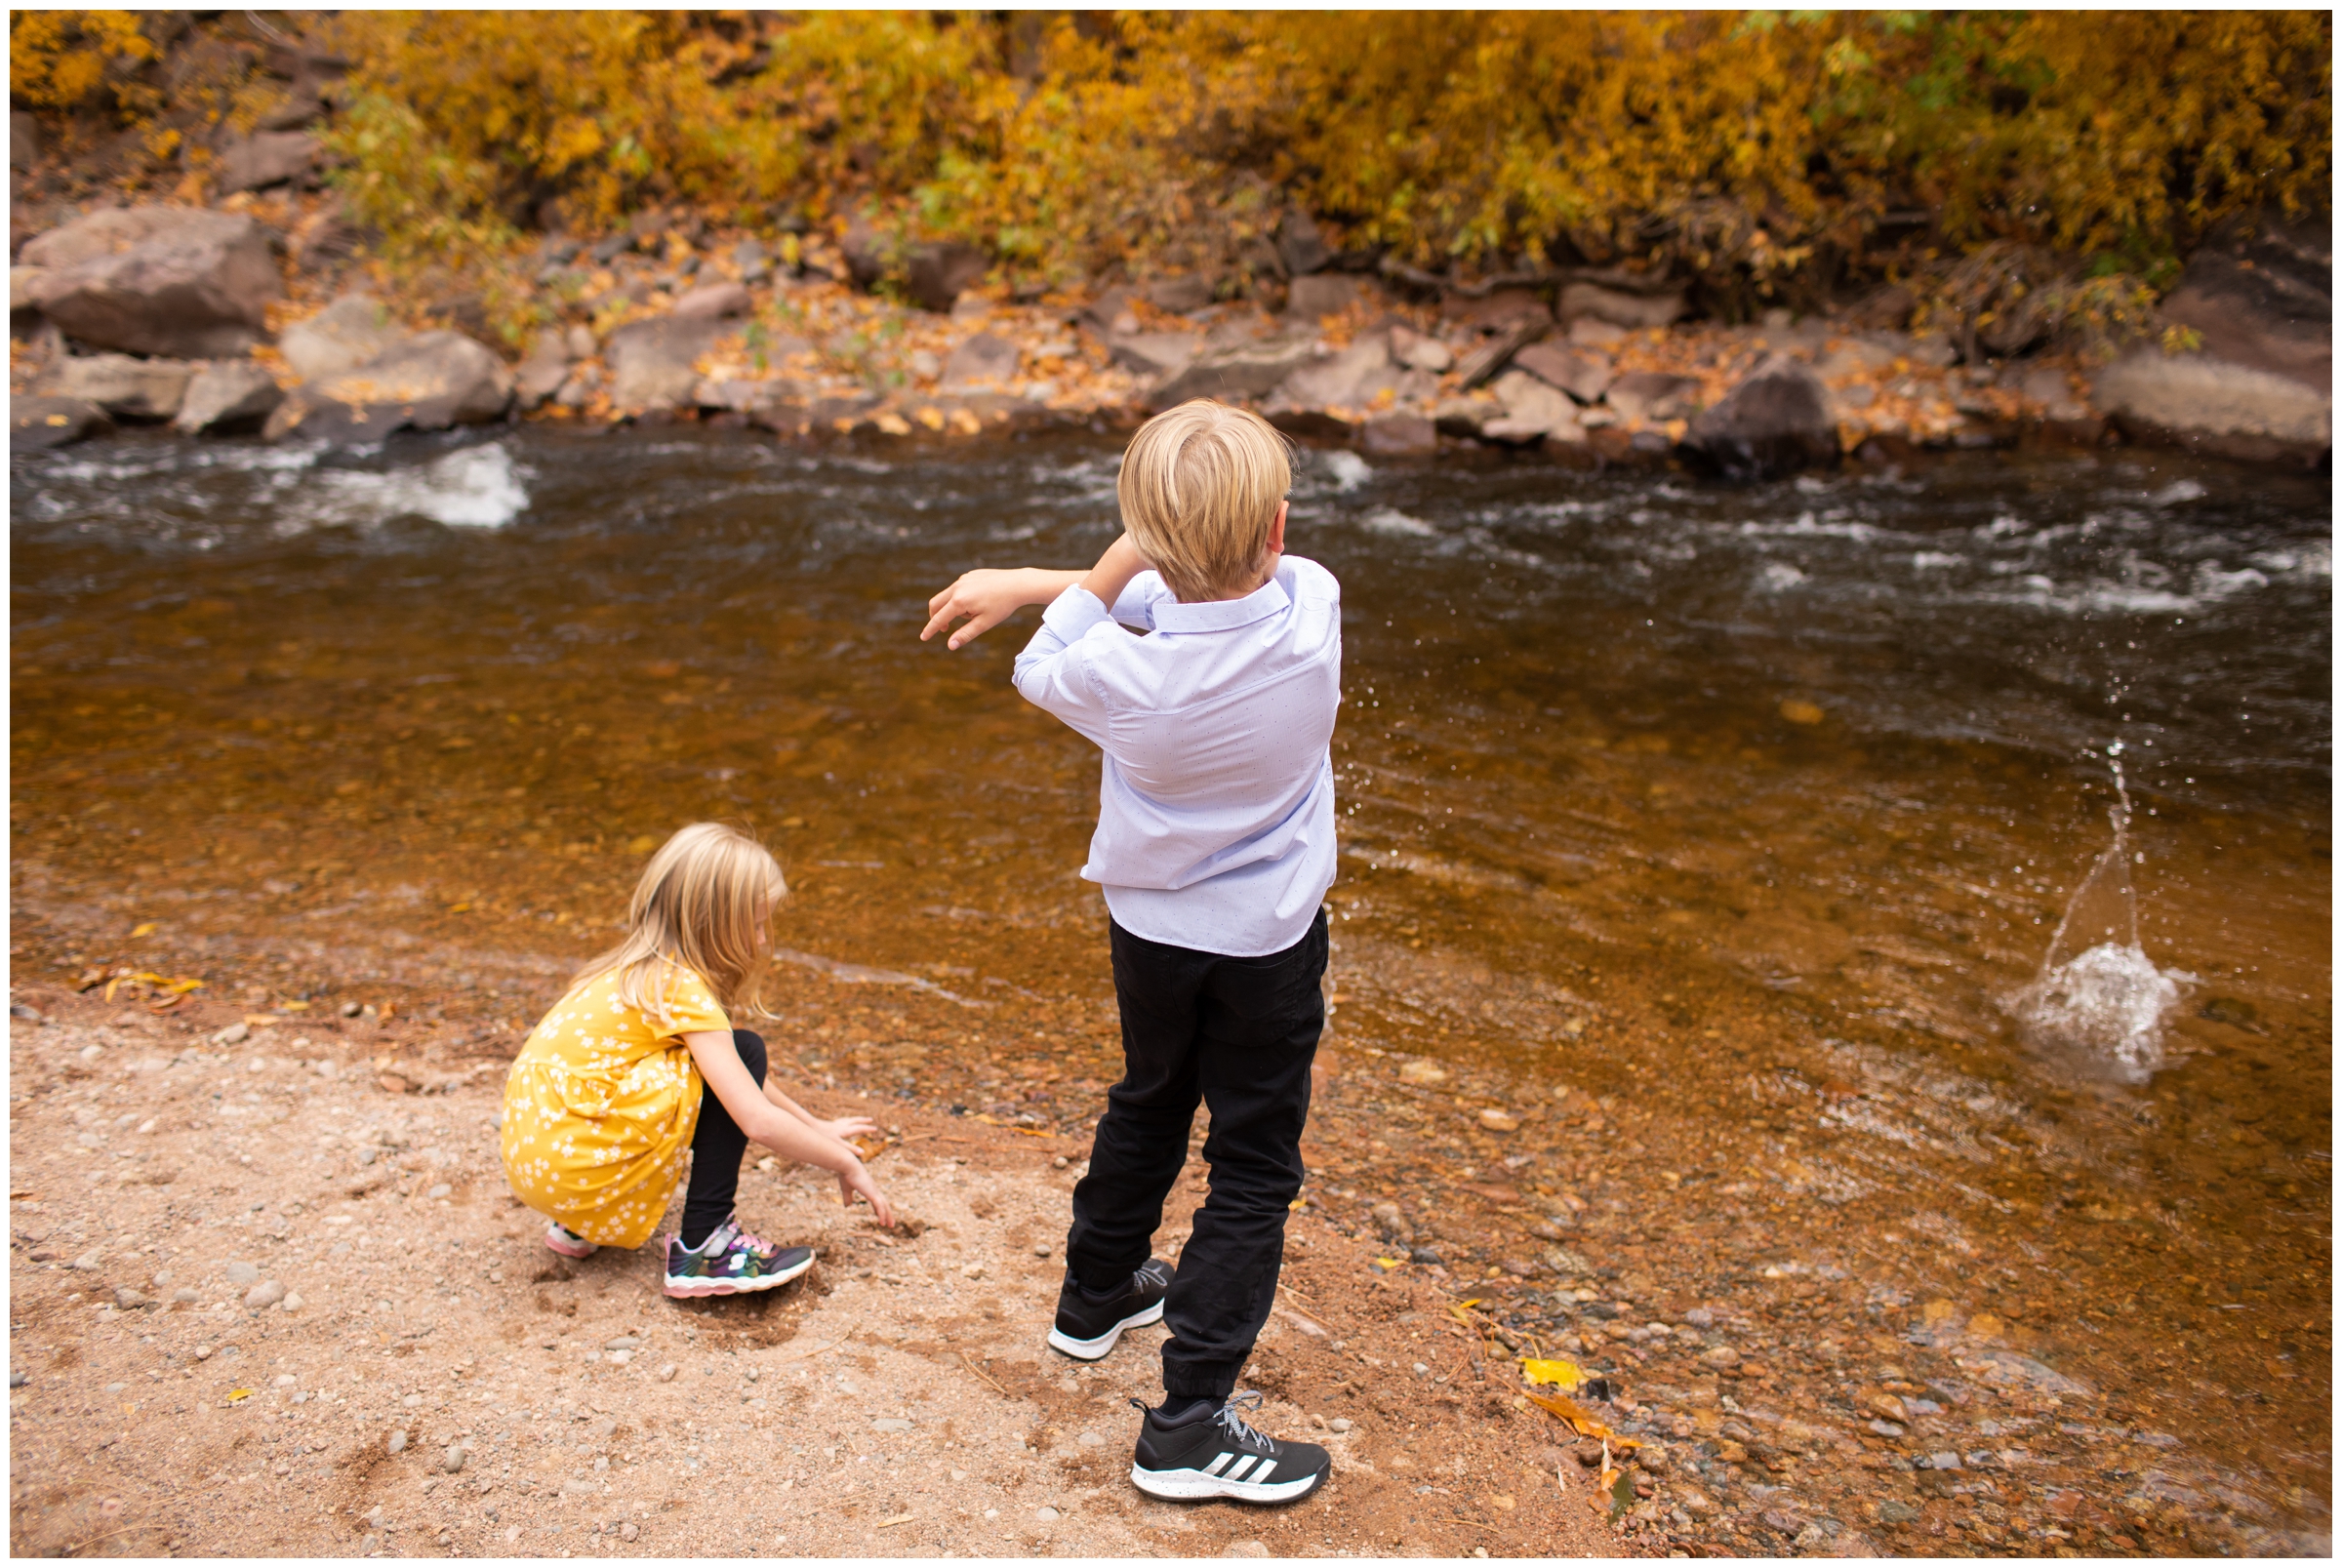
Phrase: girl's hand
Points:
(855, 1179)
(848, 1128)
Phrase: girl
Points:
(640, 1060)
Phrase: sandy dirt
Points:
(433, 1381)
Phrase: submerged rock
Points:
(170, 281)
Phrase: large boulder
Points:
(433, 381)
(1776, 422)
(126, 389)
(542, 371)
(349, 333)
(1154, 353)
(232, 397)
(1584, 374)
(37, 423)
(713, 301)
(2214, 406)
(1533, 412)
(1621, 307)
(1649, 394)
(986, 362)
(1348, 380)
(1242, 370)
(654, 365)
(268, 158)
(2261, 295)
(170, 281)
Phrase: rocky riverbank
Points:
(259, 318)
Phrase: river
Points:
(1744, 812)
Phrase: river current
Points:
(1757, 807)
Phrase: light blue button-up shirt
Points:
(1216, 804)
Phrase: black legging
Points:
(716, 1148)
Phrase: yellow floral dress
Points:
(600, 1105)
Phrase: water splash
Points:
(2098, 992)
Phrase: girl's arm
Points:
(785, 1135)
(844, 1127)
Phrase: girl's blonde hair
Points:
(701, 905)
(1199, 489)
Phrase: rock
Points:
(1618, 308)
(2210, 405)
(986, 362)
(1694, 1502)
(1180, 294)
(542, 372)
(1298, 246)
(1397, 435)
(629, 1530)
(292, 1301)
(1349, 380)
(1588, 333)
(434, 380)
(129, 1300)
(1774, 422)
(453, 1462)
(268, 158)
(666, 1373)
(1340, 1424)
(23, 151)
(1500, 1121)
(1327, 293)
(1584, 374)
(1495, 353)
(1154, 353)
(1245, 1548)
(125, 387)
(396, 1443)
(234, 1035)
(1886, 310)
(1420, 351)
(1245, 369)
(1045, 1515)
(1533, 411)
(26, 1011)
(1650, 395)
(2053, 390)
(267, 1293)
(1420, 1071)
(890, 1424)
(653, 363)
(38, 423)
(713, 301)
(2261, 296)
(186, 1296)
(346, 334)
(228, 397)
(938, 272)
(169, 281)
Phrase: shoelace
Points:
(1234, 1425)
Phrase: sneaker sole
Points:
(1194, 1486)
(1095, 1349)
(560, 1250)
(689, 1288)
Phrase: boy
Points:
(1215, 847)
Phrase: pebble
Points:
(286, 1380)
(453, 1461)
(235, 1033)
(397, 1443)
(1500, 1121)
(439, 1189)
(1091, 1440)
(621, 1357)
(629, 1530)
(1943, 1462)
(666, 1373)
(624, 1341)
(90, 1259)
(1045, 1515)
(891, 1424)
(1340, 1424)
(1245, 1548)
(973, 1271)
(127, 1299)
(1040, 1249)
(292, 1301)
(958, 1475)
(267, 1293)
(243, 1274)
(17, 1380)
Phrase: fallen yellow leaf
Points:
(1561, 1375)
(145, 930)
(1584, 1421)
(1385, 1265)
(235, 1395)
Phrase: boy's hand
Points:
(855, 1179)
(984, 598)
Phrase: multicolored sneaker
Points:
(567, 1242)
(731, 1262)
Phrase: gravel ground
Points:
(262, 1304)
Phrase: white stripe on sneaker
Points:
(1213, 1469)
(1235, 1471)
(1262, 1474)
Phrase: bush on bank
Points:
(1765, 154)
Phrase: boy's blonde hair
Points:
(701, 905)
(1199, 488)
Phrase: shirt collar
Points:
(1223, 615)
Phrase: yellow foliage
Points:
(59, 60)
(1731, 144)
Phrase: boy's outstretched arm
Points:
(987, 596)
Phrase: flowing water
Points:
(1776, 816)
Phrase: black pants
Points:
(716, 1147)
(1238, 1035)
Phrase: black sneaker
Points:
(1087, 1328)
(1215, 1453)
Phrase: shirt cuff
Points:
(1074, 611)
